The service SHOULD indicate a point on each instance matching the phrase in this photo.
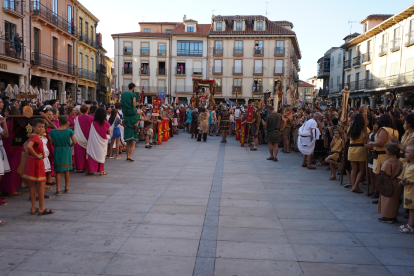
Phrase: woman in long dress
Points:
(82, 128)
(4, 163)
(116, 134)
(97, 143)
(203, 124)
(71, 114)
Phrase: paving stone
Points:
(401, 270)
(168, 219)
(322, 238)
(178, 209)
(30, 241)
(247, 212)
(99, 228)
(249, 222)
(11, 258)
(244, 267)
(393, 256)
(251, 235)
(313, 224)
(327, 269)
(167, 231)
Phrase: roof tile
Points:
(144, 34)
(201, 30)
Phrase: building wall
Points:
(336, 73)
(156, 28)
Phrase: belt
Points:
(356, 145)
(335, 152)
(62, 146)
(380, 152)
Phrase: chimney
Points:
(184, 18)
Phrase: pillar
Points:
(372, 102)
(352, 102)
(93, 93)
(362, 101)
(45, 83)
(384, 100)
(84, 90)
(61, 88)
(188, 100)
(337, 102)
(73, 92)
(246, 101)
(21, 80)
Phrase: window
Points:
(258, 66)
(55, 48)
(91, 64)
(10, 33)
(259, 25)
(92, 32)
(69, 54)
(86, 62)
(218, 47)
(80, 60)
(127, 67)
(237, 82)
(367, 75)
(280, 47)
(190, 28)
(339, 60)
(218, 84)
(36, 40)
(168, 31)
(279, 66)
(219, 26)
(338, 80)
(238, 68)
(397, 33)
(238, 47)
(55, 7)
(239, 25)
(147, 30)
(258, 47)
(145, 49)
(190, 48)
(332, 61)
(348, 80)
(86, 28)
(217, 66)
(257, 85)
(69, 18)
(80, 25)
(161, 50)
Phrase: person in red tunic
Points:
(34, 169)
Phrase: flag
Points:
(141, 99)
(176, 98)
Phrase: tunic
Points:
(388, 206)
(404, 141)
(336, 149)
(10, 182)
(34, 169)
(85, 122)
(224, 122)
(63, 154)
(204, 117)
(130, 115)
(274, 124)
(357, 154)
(409, 189)
(93, 165)
(382, 157)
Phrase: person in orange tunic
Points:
(34, 169)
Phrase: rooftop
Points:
(377, 16)
(201, 30)
(304, 84)
(143, 34)
(159, 23)
(352, 35)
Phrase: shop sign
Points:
(3, 66)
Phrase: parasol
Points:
(22, 89)
(146, 100)
(9, 90)
(166, 100)
(16, 91)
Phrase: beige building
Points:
(249, 55)
(305, 91)
(381, 59)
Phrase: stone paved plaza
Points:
(194, 208)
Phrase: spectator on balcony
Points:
(18, 44)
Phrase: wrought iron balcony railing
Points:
(257, 89)
(356, 61)
(52, 63)
(86, 74)
(161, 71)
(127, 71)
(405, 79)
(145, 52)
(145, 71)
(258, 70)
(279, 51)
(197, 71)
(366, 57)
(217, 70)
(180, 71)
(15, 8)
(347, 64)
(383, 49)
(238, 52)
(237, 89)
(8, 49)
(409, 39)
(217, 51)
(258, 51)
(278, 71)
(127, 51)
(161, 53)
(238, 70)
(395, 45)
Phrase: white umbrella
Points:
(51, 94)
(22, 89)
(31, 90)
(16, 91)
(9, 90)
(145, 100)
(166, 100)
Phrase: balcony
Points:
(323, 93)
(409, 39)
(238, 70)
(258, 52)
(89, 75)
(184, 89)
(218, 90)
(14, 8)
(347, 64)
(405, 79)
(127, 51)
(383, 49)
(236, 90)
(279, 51)
(217, 70)
(103, 83)
(258, 70)
(47, 16)
(145, 71)
(257, 89)
(145, 52)
(161, 53)
(295, 59)
(87, 39)
(356, 61)
(366, 58)
(356, 85)
(52, 63)
(189, 53)
(217, 52)
(180, 71)
(323, 72)
(237, 52)
(161, 71)
(8, 51)
(395, 45)
(101, 68)
(197, 71)
(127, 71)
(278, 71)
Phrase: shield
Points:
(384, 184)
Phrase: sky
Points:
(319, 24)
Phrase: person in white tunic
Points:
(306, 139)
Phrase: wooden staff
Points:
(248, 135)
(344, 119)
(367, 176)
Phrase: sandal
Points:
(48, 188)
(131, 160)
(332, 178)
(304, 165)
(35, 212)
(402, 226)
(66, 191)
(103, 173)
(58, 193)
(407, 230)
(1, 221)
(311, 168)
(15, 194)
(89, 173)
(270, 158)
(46, 212)
(318, 164)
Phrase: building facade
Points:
(305, 91)
(246, 56)
(336, 71)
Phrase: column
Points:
(246, 101)
(21, 80)
(401, 100)
(362, 101)
(73, 92)
(61, 88)
(188, 100)
(93, 93)
(352, 102)
(384, 100)
(337, 102)
(372, 102)
(45, 83)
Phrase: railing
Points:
(383, 50)
(356, 61)
(409, 39)
(366, 57)
(184, 89)
(238, 70)
(15, 7)
(217, 51)
(180, 71)
(236, 89)
(190, 53)
(85, 74)
(258, 51)
(102, 68)
(323, 93)
(324, 71)
(127, 51)
(279, 51)
(238, 52)
(87, 39)
(52, 63)
(197, 71)
(161, 71)
(257, 89)
(347, 64)
(145, 52)
(145, 71)
(38, 9)
(217, 70)
(127, 71)
(103, 83)
(395, 80)
(218, 90)
(395, 45)
(8, 49)
(356, 85)
(278, 71)
(161, 53)
(258, 70)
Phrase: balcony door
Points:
(69, 18)
(69, 58)
(161, 86)
(55, 53)
(55, 10)
(197, 68)
(217, 66)
(257, 85)
(36, 42)
(258, 66)
(145, 85)
(279, 66)
(238, 69)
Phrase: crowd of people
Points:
(80, 137)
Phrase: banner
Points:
(156, 104)
(21, 130)
(162, 95)
(250, 111)
(165, 130)
(238, 126)
(243, 130)
(159, 133)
